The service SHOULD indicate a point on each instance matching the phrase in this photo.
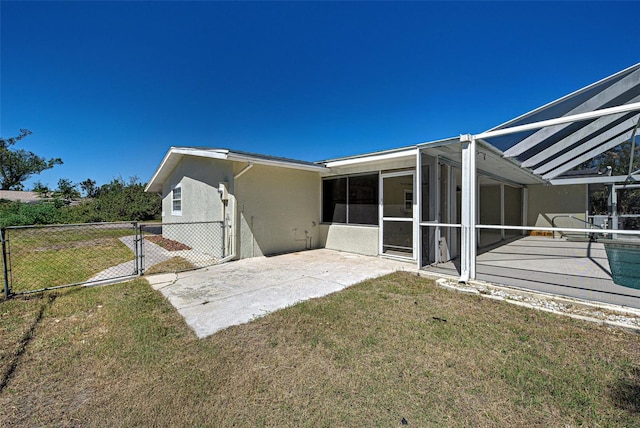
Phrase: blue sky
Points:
(110, 86)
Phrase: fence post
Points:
(7, 292)
(223, 231)
(135, 247)
(141, 250)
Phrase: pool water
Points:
(624, 261)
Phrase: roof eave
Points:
(175, 154)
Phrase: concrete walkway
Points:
(153, 254)
(220, 296)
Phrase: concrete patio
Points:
(220, 296)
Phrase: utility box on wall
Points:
(224, 193)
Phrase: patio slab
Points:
(555, 266)
(233, 293)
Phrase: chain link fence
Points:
(175, 247)
(38, 258)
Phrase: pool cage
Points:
(466, 202)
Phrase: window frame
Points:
(376, 221)
(408, 202)
(174, 200)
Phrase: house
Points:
(20, 196)
(426, 203)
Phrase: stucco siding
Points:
(199, 179)
(547, 202)
(278, 210)
(351, 238)
(490, 204)
(490, 213)
(512, 206)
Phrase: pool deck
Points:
(557, 266)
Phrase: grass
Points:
(47, 257)
(386, 349)
(174, 264)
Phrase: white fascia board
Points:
(498, 155)
(155, 184)
(172, 158)
(372, 158)
(439, 143)
(175, 154)
(205, 153)
(239, 157)
(605, 179)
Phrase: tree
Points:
(41, 189)
(89, 188)
(617, 160)
(119, 200)
(66, 190)
(16, 166)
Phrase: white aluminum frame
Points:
(414, 217)
(469, 181)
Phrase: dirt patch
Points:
(167, 244)
(174, 264)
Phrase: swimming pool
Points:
(624, 261)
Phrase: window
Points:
(351, 200)
(176, 200)
(334, 200)
(408, 200)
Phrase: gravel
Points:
(612, 315)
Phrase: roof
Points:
(549, 142)
(490, 163)
(369, 157)
(551, 151)
(18, 195)
(175, 154)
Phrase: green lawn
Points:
(47, 257)
(383, 350)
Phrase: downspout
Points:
(232, 234)
(243, 170)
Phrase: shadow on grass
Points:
(625, 392)
(24, 342)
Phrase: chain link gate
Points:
(39, 258)
(175, 247)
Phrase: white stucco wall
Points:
(278, 210)
(490, 204)
(546, 202)
(350, 238)
(512, 206)
(199, 179)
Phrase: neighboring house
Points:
(415, 203)
(18, 195)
